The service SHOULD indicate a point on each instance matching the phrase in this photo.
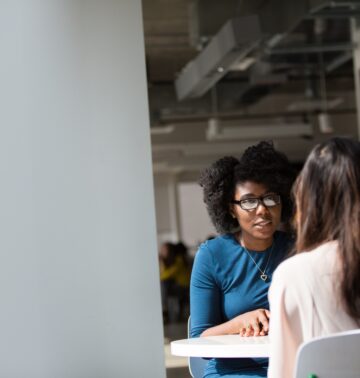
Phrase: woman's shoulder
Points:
(304, 263)
(217, 246)
(218, 243)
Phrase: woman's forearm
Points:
(252, 323)
(227, 328)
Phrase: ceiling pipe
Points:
(246, 116)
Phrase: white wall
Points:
(79, 278)
(194, 220)
(166, 205)
(180, 212)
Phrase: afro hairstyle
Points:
(261, 164)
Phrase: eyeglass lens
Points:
(253, 203)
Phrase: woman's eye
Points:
(269, 198)
(269, 201)
(250, 201)
(272, 200)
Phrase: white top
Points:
(304, 303)
(232, 346)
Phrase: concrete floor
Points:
(178, 373)
(176, 367)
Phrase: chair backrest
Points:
(196, 364)
(333, 356)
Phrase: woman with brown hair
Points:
(317, 291)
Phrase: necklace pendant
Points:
(264, 277)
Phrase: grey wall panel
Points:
(79, 277)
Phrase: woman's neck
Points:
(254, 244)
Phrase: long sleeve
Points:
(204, 294)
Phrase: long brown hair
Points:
(327, 197)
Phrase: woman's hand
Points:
(252, 323)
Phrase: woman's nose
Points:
(261, 209)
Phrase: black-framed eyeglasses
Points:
(269, 200)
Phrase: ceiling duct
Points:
(267, 21)
(233, 42)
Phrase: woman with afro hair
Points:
(246, 199)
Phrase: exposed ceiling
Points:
(293, 84)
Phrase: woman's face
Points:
(259, 223)
(164, 251)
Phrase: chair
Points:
(333, 356)
(196, 364)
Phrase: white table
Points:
(229, 346)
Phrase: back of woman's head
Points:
(168, 253)
(327, 196)
(260, 163)
(182, 251)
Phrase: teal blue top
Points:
(225, 283)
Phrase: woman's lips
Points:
(263, 224)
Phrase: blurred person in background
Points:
(175, 279)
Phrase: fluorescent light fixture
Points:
(243, 64)
(201, 148)
(162, 130)
(176, 168)
(258, 132)
(314, 104)
(209, 149)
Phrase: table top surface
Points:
(226, 346)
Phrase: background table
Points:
(228, 346)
